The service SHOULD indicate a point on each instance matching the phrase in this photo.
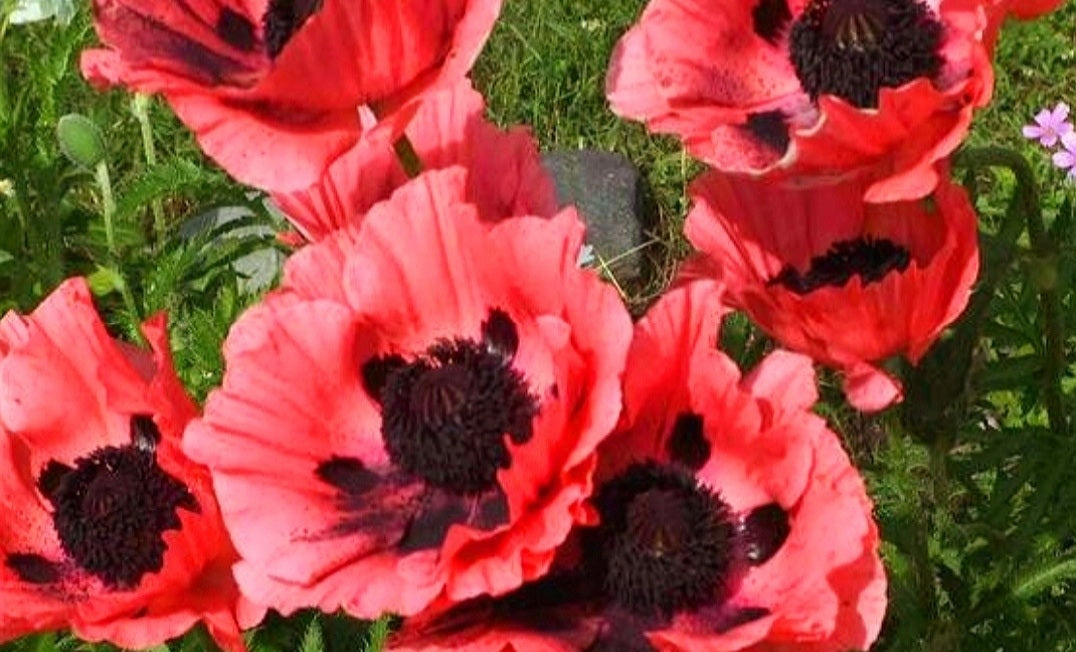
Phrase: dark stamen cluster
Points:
(445, 414)
(665, 543)
(870, 259)
(854, 48)
(282, 19)
(112, 509)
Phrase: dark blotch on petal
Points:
(283, 19)
(764, 532)
(687, 443)
(236, 29)
(31, 568)
(144, 433)
(770, 128)
(499, 334)
(375, 372)
(440, 510)
(771, 17)
(492, 510)
(377, 519)
(429, 526)
(741, 617)
(154, 39)
(347, 474)
(51, 477)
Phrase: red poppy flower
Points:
(846, 282)
(416, 413)
(105, 527)
(786, 89)
(506, 175)
(275, 90)
(731, 518)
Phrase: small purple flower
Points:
(1050, 126)
(1066, 157)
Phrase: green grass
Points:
(977, 511)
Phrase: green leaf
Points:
(105, 281)
(378, 634)
(313, 640)
(1036, 581)
(167, 179)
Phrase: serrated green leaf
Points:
(165, 179)
(313, 639)
(378, 634)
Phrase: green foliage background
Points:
(973, 482)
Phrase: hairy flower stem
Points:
(1028, 209)
(108, 206)
(405, 150)
(140, 106)
(108, 212)
(938, 388)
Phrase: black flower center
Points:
(665, 543)
(112, 509)
(282, 19)
(854, 48)
(445, 414)
(870, 259)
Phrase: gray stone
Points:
(612, 199)
(256, 270)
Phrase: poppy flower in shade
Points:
(846, 282)
(731, 518)
(105, 526)
(274, 91)
(506, 174)
(389, 433)
(804, 92)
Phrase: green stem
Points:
(1055, 359)
(1027, 586)
(407, 156)
(108, 207)
(140, 106)
(1026, 205)
(132, 310)
(937, 387)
